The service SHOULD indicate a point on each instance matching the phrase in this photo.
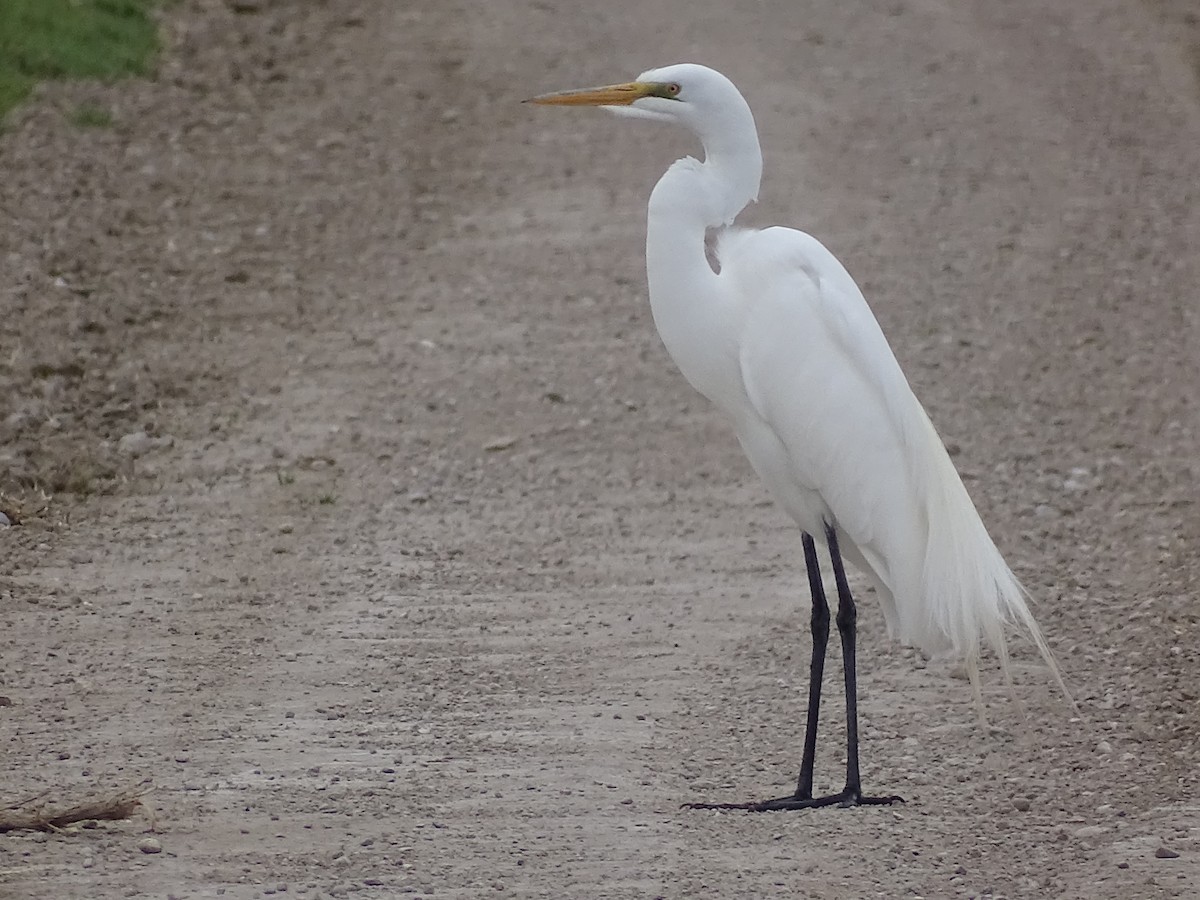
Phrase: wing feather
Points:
(838, 435)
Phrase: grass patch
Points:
(41, 39)
(90, 115)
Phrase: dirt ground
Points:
(386, 546)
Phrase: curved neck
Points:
(692, 314)
(693, 197)
(712, 193)
(733, 170)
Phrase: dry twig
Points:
(122, 806)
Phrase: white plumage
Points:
(781, 340)
(830, 424)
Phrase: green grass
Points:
(41, 39)
(89, 115)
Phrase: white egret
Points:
(778, 336)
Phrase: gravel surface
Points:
(387, 547)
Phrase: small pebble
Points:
(1104, 747)
(495, 445)
(1022, 804)
(149, 845)
(135, 444)
(1166, 853)
(5, 521)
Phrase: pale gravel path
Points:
(483, 673)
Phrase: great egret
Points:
(778, 336)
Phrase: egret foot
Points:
(845, 798)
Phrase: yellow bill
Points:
(608, 95)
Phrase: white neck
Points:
(690, 198)
(716, 190)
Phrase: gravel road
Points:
(390, 553)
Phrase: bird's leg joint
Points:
(847, 616)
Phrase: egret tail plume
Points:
(971, 596)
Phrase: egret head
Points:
(694, 96)
(705, 102)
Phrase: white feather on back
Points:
(839, 436)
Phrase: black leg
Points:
(816, 669)
(847, 618)
(847, 623)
